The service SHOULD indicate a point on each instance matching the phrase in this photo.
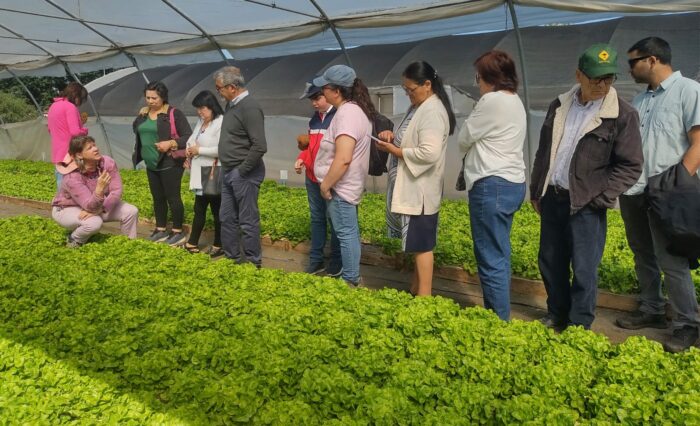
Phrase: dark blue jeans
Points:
(239, 215)
(319, 227)
(492, 203)
(571, 243)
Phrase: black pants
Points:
(201, 202)
(165, 189)
(571, 243)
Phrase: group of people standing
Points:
(593, 150)
(224, 155)
(596, 148)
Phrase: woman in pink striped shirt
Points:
(65, 121)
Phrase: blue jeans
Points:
(319, 227)
(492, 203)
(570, 243)
(343, 217)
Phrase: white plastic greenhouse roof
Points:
(45, 35)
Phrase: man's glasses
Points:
(632, 62)
(608, 80)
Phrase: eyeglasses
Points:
(409, 90)
(632, 62)
(219, 88)
(608, 80)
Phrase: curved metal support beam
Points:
(526, 88)
(69, 72)
(54, 41)
(331, 25)
(112, 42)
(26, 89)
(107, 24)
(275, 6)
(196, 25)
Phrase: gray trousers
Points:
(651, 258)
(239, 215)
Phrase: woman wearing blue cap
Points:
(342, 162)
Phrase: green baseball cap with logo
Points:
(598, 60)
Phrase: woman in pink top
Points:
(65, 121)
(90, 194)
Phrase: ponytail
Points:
(420, 72)
(359, 94)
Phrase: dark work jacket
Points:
(165, 161)
(674, 198)
(607, 160)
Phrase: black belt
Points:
(558, 191)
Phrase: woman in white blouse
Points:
(202, 150)
(494, 171)
(417, 167)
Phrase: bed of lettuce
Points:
(122, 331)
(285, 215)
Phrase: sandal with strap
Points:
(191, 249)
(215, 252)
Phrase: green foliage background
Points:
(140, 333)
(14, 109)
(15, 103)
(284, 213)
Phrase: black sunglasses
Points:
(632, 62)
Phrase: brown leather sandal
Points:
(191, 249)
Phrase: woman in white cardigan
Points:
(202, 150)
(416, 168)
(494, 171)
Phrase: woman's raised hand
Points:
(102, 183)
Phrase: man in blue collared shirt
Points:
(669, 112)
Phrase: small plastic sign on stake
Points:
(283, 177)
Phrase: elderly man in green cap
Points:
(590, 152)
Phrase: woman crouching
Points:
(90, 194)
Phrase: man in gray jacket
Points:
(242, 145)
(590, 152)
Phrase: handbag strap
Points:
(173, 129)
(211, 172)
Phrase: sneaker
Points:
(71, 243)
(682, 339)
(334, 271)
(639, 319)
(551, 321)
(215, 252)
(359, 284)
(176, 239)
(158, 236)
(315, 268)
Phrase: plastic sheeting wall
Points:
(281, 132)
